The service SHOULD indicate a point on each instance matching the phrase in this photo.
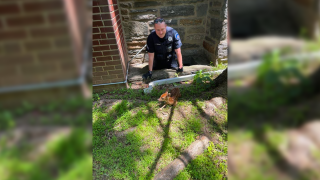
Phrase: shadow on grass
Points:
(269, 104)
(164, 145)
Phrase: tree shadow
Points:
(164, 144)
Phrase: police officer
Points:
(163, 46)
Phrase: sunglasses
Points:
(159, 21)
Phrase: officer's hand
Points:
(146, 75)
(180, 70)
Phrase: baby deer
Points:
(170, 98)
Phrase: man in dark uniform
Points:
(163, 46)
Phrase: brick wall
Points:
(35, 43)
(109, 52)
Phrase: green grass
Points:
(65, 157)
(154, 142)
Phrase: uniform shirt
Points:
(176, 40)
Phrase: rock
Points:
(143, 17)
(202, 10)
(177, 165)
(146, 4)
(142, 10)
(135, 28)
(199, 29)
(195, 37)
(190, 22)
(187, 10)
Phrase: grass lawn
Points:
(133, 139)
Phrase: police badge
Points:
(169, 38)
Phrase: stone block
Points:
(176, 2)
(202, 10)
(142, 10)
(124, 12)
(215, 28)
(143, 17)
(199, 29)
(190, 22)
(210, 40)
(194, 37)
(146, 4)
(214, 12)
(135, 28)
(125, 5)
(188, 45)
(209, 47)
(187, 10)
(181, 32)
(169, 22)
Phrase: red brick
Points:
(116, 12)
(100, 73)
(106, 58)
(49, 32)
(113, 63)
(96, 78)
(106, 29)
(95, 10)
(108, 68)
(12, 34)
(105, 16)
(108, 53)
(102, 82)
(17, 59)
(115, 7)
(99, 36)
(120, 76)
(6, 9)
(95, 3)
(99, 69)
(117, 80)
(111, 36)
(95, 30)
(42, 6)
(94, 59)
(108, 41)
(37, 45)
(101, 2)
(105, 9)
(104, 48)
(55, 56)
(95, 54)
(97, 24)
(118, 67)
(107, 23)
(109, 77)
(57, 18)
(24, 21)
(96, 17)
(98, 64)
(113, 47)
(116, 57)
(95, 42)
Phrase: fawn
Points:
(170, 98)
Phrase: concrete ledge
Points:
(137, 70)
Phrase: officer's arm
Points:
(151, 58)
(179, 57)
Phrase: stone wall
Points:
(198, 22)
(215, 42)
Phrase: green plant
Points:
(201, 78)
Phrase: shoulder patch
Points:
(177, 36)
